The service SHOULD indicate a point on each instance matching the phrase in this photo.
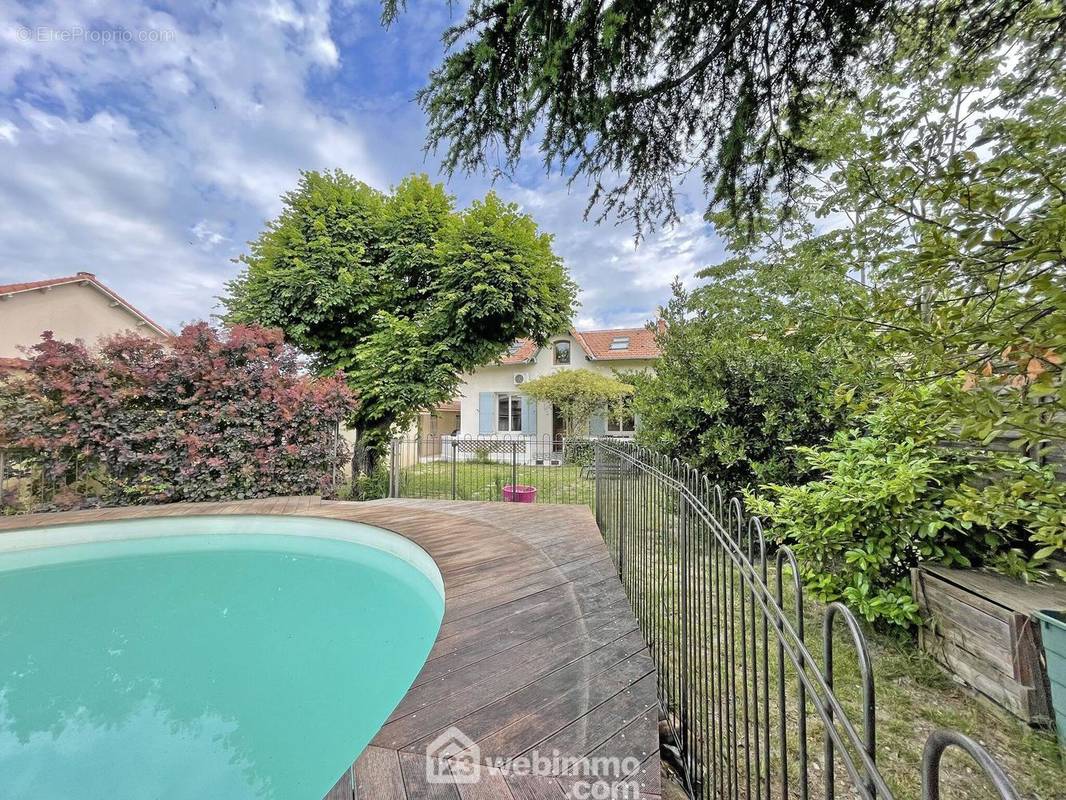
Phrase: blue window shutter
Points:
(486, 413)
(598, 425)
(529, 416)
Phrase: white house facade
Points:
(491, 402)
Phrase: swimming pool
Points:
(228, 658)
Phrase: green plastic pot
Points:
(1053, 634)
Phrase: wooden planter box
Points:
(979, 626)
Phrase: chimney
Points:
(86, 274)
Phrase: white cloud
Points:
(206, 234)
(151, 163)
(138, 159)
(622, 283)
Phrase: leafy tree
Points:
(579, 394)
(634, 94)
(750, 367)
(401, 291)
(211, 415)
(949, 174)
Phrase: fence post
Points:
(683, 586)
(514, 470)
(336, 450)
(623, 510)
(3, 474)
(394, 477)
(455, 459)
(597, 491)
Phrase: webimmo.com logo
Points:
(453, 758)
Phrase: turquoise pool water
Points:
(215, 658)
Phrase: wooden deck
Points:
(538, 653)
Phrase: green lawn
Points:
(485, 481)
(914, 696)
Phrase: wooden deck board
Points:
(538, 647)
(378, 775)
(533, 699)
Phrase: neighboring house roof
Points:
(451, 407)
(611, 344)
(13, 363)
(87, 279)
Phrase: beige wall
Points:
(70, 310)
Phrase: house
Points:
(491, 403)
(74, 307)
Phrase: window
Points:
(562, 352)
(624, 424)
(509, 413)
(620, 343)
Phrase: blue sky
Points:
(149, 142)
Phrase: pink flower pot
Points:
(519, 494)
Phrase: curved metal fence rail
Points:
(751, 711)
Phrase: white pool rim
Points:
(41, 546)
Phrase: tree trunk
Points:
(366, 460)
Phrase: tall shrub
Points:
(749, 369)
(211, 415)
(886, 494)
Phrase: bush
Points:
(736, 408)
(1026, 505)
(579, 452)
(372, 485)
(211, 415)
(887, 495)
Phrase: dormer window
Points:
(514, 348)
(562, 351)
(620, 343)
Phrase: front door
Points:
(558, 429)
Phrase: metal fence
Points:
(29, 481)
(541, 469)
(751, 711)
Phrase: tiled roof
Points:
(631, 343)
(522, 351)
(13, 363)
(10, 288)
(639, 344)
(81, 277)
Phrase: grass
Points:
(914, 696)
(484, 480)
